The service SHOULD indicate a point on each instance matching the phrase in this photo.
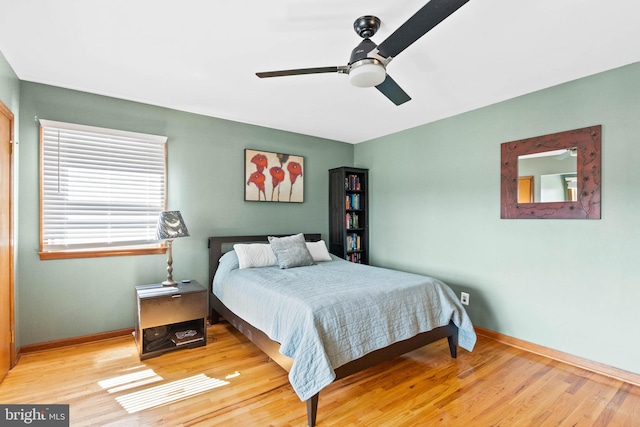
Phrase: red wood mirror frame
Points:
(588, 143)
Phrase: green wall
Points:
(571, 285)
(9, 86)
(68, 298)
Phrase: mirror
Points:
(552, 176)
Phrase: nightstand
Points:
(170, 318)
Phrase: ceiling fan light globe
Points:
(367, 75)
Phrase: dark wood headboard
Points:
(219, 245)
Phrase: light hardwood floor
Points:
(231, 382)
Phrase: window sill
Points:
(102, 253)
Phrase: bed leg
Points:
(215, 317)
(312, 410)
(453, 344)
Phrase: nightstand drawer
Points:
(173, 308)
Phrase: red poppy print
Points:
(261, 162)
(277, 176)
(258, 179)
(295, 170)
(266, 173)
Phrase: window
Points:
(101, 191)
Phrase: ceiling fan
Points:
(368, 62)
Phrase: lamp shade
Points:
(170, 226)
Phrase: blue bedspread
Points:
(328, 314)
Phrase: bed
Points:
(317, 322)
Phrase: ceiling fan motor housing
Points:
(361, 51)
(364, 71)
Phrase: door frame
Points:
(4, 110)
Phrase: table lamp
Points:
(170, 226)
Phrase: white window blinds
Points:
(100, 188)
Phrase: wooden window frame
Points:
(126, 249)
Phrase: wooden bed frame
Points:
(219, 245)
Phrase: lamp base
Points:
(169, 281)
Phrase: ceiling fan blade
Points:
(393, 91)
(299, 71)
(418, 25)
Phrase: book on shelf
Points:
(355, 257)
(352, 220)
(352, 182)
(352, 202)
(353, 242)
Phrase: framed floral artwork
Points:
(273, 177)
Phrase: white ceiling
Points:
(200, 56)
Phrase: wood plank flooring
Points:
(231, 382)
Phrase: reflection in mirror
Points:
(548, 176)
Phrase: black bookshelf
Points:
(349, 214)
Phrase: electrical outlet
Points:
(464, 298)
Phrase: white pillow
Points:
(319, 251)
(253, 255)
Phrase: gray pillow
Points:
(291, 251)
